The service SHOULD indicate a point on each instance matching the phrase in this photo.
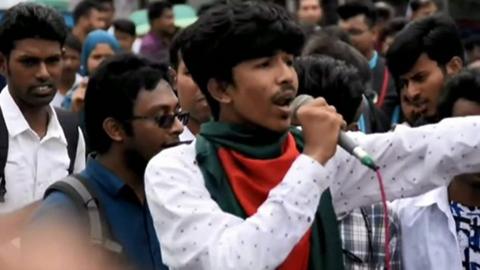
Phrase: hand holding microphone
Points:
(321, 126)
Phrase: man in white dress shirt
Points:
(441, 229)
(31, 59)
(250, 193)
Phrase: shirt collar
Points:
(438, 196)
(17, 124)
(372, 63)
(109, 182)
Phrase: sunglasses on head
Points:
(165, 121)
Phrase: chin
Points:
(41, 101)
(279, 127)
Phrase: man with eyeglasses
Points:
(142, 118)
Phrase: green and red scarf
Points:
(233, 159)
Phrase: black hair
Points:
(384, 11)
(84, 8)
(230, 34)
(417, 4)
(157, 9)
(29, 20)
(175, 49)
(324, 44)
(393, 27)
(471, 42)
(358, 7)
(125, 26)
(335, 31)
(209, 5)
(464, 85)
(437, 36)
(112, 91)
(338, 83)
(72, 42)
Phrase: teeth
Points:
(43, 88)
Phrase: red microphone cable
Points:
(385, 219)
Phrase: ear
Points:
(218, 90)
(3, 64)
(114, 130)
(454, 65)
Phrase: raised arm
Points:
(412, 161)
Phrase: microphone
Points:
(344, 140)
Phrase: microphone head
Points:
(298, 102)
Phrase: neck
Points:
(463, 189)
(164, 36)
(114, 161)
(36, 117)
(79, 33)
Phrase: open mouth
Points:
(284, 99)
(43, 90)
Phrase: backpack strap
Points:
(3, 156)
(70, 123)
(76, 188)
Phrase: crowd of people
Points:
(187, 148)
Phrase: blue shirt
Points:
(372, 63)
(130, 222)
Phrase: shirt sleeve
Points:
(411, 160)
(195, 233)
(80, 158)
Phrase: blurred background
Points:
(465, 12)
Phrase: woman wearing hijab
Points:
(98, 46)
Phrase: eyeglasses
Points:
(165, 121)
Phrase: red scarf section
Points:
(252, 180)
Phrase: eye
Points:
(264, 64)
(419, 77)
(53, 60)
(289, 62)
(29, 61)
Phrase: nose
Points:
(286, 73)
(42, 72)
(412, 91)
(177, 127)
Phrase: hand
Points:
(78, 98)
(321, 125)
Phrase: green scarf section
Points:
(325, 245)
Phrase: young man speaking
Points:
(251, 193)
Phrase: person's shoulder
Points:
(412, 206)
(56, 207)
(148, 40)
(181, 154)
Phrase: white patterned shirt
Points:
(194, 233)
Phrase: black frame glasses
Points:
(165, 121)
